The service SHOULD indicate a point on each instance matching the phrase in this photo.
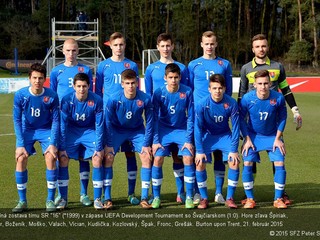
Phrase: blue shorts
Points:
(172, 140)
(80, 144)
(212, 143)
(40, 135)
(263, 143)
(135, 137)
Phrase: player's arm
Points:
(244, 84)
(228, 77)
(54, 80)
(278, 143)
(148, 80)
(109, 113)
(190, 122)
(235, 122)
(149, 118)
(63, 124)
(99, 80)
(286, 91)
(55, 111)
(99, 122)
(156, 99)
(185, 76)
(17, 119)
(90, 79)
(198, 132)
(191, 75)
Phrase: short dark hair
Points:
(218, 78)
(262, 73)
(172, 68)
(259, 36)
(81, 77)
(128, 74)
(209, 34)
(164, 37)
(37, 67)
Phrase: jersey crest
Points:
(46, 99)
(273, 102)
(220, 62)
(226, 105)
(127, 65)
(182, 95)
(139, 103)
(80, 69)
(90, 103)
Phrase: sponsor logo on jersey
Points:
(226, 105)
(273, 102)
(220, 62)
(183, 95)
(46, 99)
(80, 69)
(127, 65)
(139, 103)
(272, 74)
(90, 103)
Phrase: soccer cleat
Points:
(50, 206)
(151, 199)
(279, 204)
(231, 204)
(21, 207)
(133, 199)
(204, 203)
(181, 198)
(286, 199)
(97, 204)
(85, 200)
(156, 202)
(62, 204)
(219, 199)
(189, 203)
(196, 199)
(243, 201)
(108, 205)
(250, 204)
(144, 204)
(57, 200)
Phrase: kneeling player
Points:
(212, 132)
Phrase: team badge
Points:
(272, 74)
(139, 103)
(127, 65)
(80, 69)
(182, 95)
(46, 99)
(220, 62)
(226, 105)
(90, 103)
(273, 102)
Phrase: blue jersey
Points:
(213, 118)
(81, 117)
(125, 115)
(200, 71)
(108, 76)
(32, 112)
(173, 110)
(262, 116)
(154, 76)
(61, 78)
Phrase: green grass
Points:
(303, 186)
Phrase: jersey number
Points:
(172, 110)
(129, 115)
(263, 116)
(80, 117)
(218, 119)
(35, 112)
(117, 78)
(208, 74)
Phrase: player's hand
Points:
(52, 150)
(278, 143)
(63, 157)
(246, 146)
(21, 151)
(199, 159)
(297, 117)
(98, 154)
(234, 158)
(155, 147)
(188, 146)
(108, 151)
(148, 151)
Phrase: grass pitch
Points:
(172, 221)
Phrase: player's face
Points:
(129, 87)
(81, 88)
(260, 48)
(37, 80)
(262, 84)
(173, 80)
(209, 45)
(216, 91)
(70, 51)
(118, 47)
(165, 48)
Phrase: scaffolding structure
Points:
(90, 53)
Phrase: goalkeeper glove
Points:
(297, 117)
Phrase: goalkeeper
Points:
(277, 73)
